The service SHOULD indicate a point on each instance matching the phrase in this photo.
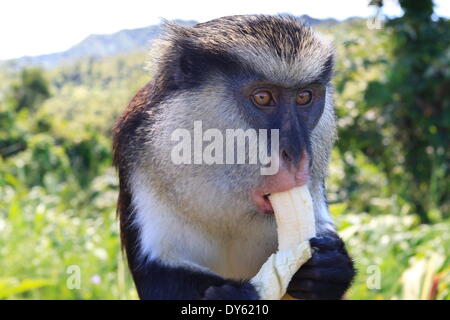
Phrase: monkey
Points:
(196, 231)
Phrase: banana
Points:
(294, 216)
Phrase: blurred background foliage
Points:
(389, 177)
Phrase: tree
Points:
(31, 90)
(413, 99)
(24, 97)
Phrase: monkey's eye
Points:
(263, 98)
(303, 97)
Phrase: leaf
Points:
(10, 287)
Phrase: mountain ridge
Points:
(104, 45)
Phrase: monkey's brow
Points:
(322, 79)
(253, 76)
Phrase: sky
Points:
(33, 27)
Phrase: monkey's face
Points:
(294, 111)
(262, 80)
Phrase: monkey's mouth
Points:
(267, 205)
(262, 202)
(260, 196)
(287, 177)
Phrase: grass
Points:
(46, 238)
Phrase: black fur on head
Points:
(227, 44)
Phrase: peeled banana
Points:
(294, 216)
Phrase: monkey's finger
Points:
(315, 286)
(332, 275)
(229, 292)
(308, 295)
(330, 258)
(218, 293)
(326, 243)
(304, 295)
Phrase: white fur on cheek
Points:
(176, 240)
(324, 222)
(162, 236)
(323, 137)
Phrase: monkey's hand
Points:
(231, 291)
(327, 275)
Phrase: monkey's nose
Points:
(293, 172)
(296, 163)
(285, 156)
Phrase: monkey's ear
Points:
(182, 58)
(193, 64)
(189, 60)
(189, 64)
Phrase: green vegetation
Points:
(388, 186)
(57, 185)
